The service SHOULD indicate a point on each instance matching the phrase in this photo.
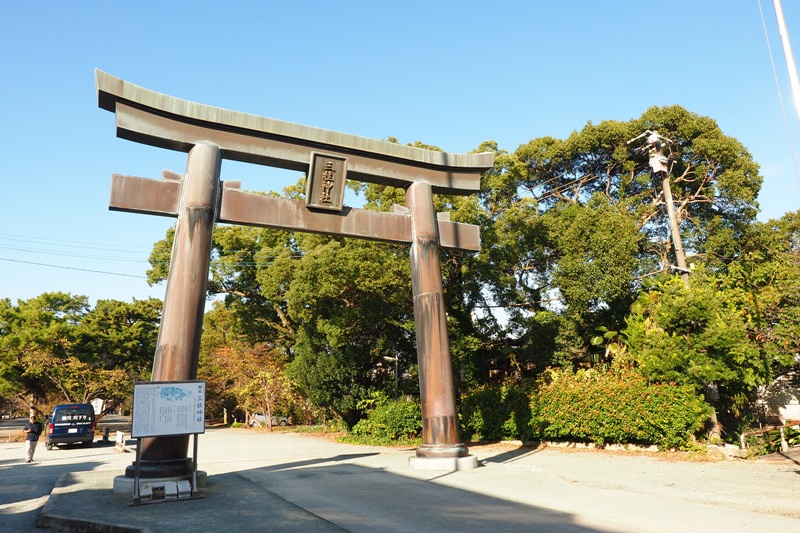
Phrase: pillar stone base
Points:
(166, 468)
(434, 451)
(449, 464)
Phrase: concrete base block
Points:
(171, 490)
(124, 484)
(145, 490)
(184, 489)
(469, 462)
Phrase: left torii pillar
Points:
(178, 347)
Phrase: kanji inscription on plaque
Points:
(325, 182)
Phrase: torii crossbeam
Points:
(199, 199)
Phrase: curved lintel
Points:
(168, 122)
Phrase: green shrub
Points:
(494, 413)
(394, 422)
(616, 407)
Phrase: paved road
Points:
(289, 482)
(24, 488)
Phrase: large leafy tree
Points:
(713, 178)
(58, 349)
(118, 334)
(762, 277)
(572, 225)
(693, 336)
(351, 301)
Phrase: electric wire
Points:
(72, 268)
(74, 249)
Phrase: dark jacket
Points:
(35, 431)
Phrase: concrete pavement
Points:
(290, 482)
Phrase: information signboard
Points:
(163, 408)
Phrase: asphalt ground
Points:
(285, 481)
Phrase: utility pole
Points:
(654, 145)
(787, 53)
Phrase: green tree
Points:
(762, 275)
(61, 350)
(11, 378)
(119, 334)
(38, 334)
(713, 178)
(350, 301)
(571, 225)
(697, 337)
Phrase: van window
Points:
(73, 415)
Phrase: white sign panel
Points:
(162, 408)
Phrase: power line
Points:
(71, 248)
(70, 254)
(72, 268)
(68, 243)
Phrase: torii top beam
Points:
(164, 121)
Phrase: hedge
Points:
(388, 423)
(494, 413)
(616, 407)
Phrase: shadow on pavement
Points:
(23, 490)
(307, 496)
(510, 456)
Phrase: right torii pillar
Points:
(441, 447)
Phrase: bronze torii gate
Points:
(199, 199)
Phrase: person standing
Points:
(32, 431)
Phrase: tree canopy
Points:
(60, 350)
(571, 226)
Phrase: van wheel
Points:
(88, 444)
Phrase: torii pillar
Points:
(178, 346)
(437, 391)
(199, 199)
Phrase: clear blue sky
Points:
(451, 74)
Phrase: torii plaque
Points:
(199, 199)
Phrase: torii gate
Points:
(199, 199)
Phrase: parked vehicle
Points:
(70, 424)
(259, 420)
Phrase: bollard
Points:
(120, 441)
